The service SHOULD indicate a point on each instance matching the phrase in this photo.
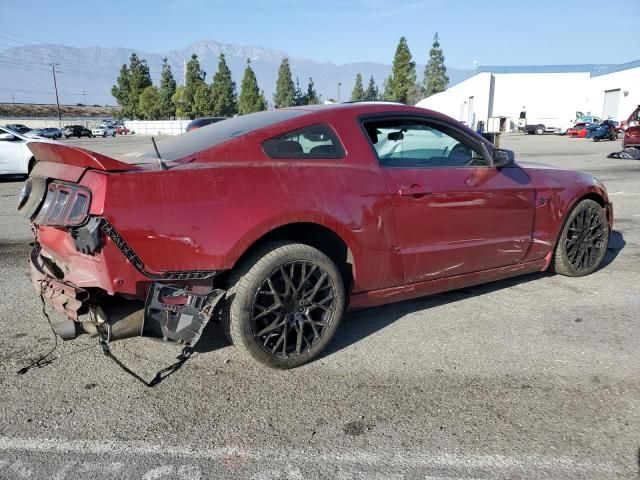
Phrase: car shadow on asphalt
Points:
(360, 324)
(357, 325)
(616, 244)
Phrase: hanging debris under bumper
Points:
(172, 312)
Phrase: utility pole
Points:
(13, 98)
(339, 84)
(55, 86)
(84, 94)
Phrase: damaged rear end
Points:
(84, 268)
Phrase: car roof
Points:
(180, 146)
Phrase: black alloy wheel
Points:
(584, 240)
(293, 308)
(284, 304)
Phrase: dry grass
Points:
(16, 110)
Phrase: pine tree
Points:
(194, 76)
(183, 110)
(358, 92)
(386, 89)
(203, 104)
(372, 93)
(285, 88)
(435, 72)
(251, 99)
(167, 89)
(140, 79)
(298, 97)
(121, 91)
(132, 80)
(403, 74)
(223, 91)
(311, 97)
(149, 105)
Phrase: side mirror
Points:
(502, 158)
(6, 137)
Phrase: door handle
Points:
(416, 191)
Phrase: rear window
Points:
(312, 142)
(181, 146)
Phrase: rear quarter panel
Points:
(205, 214)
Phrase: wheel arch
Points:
(594, 195)
(316, 235)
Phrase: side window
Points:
(312, 142)
(414, 144)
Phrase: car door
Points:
(455, 213)
(11, 154)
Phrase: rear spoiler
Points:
(60, 153)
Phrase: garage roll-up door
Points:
(610, 107)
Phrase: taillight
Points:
(64, 205)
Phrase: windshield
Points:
(180, 146)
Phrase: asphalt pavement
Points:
(535, 377)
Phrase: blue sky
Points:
(513, 32)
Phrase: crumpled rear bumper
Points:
(62, 297)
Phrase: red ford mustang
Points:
(281, 220)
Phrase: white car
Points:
(103, 131)
(15, 157)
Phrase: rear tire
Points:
(583, 242)
(540, 130)
(301, 289)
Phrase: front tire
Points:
(284, 304)
(583, 242)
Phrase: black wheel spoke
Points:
(293, 308)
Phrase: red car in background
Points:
(122, 130)
(283, 219)
(579, 130)
(631, 130)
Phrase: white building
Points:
(551, 100)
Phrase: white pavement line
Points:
(616, 193)
(362, 458)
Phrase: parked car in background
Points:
(103, 131)
(18, 128)
(15, 157)
(579, 130)
(605, 130)
(122, 130)
(589, 119)
(202, 122)
(631, 130)
(53, 133)
(76, 131)
(580, 118)
(290, 216)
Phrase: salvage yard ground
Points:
(535, 377)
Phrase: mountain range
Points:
(85, 75)
(25, 72)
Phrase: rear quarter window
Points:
(312, 142)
